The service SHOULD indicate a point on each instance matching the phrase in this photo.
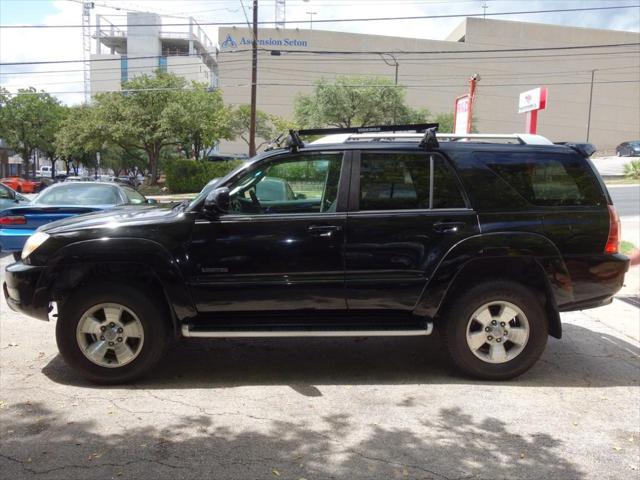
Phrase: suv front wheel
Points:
(495, 330)
(111, 333)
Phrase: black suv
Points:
(486, 241)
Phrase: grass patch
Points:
(147, 190)
(621, 181)
(627, 247)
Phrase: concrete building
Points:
(145, 46)
(433, 80)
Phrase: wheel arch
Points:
(529, 259)
(140, 263)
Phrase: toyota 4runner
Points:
(486, 238)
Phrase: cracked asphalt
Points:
(327, 408)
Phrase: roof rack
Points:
(425, 131)
(411, 127)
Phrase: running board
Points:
(188, 331)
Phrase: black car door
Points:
(406, 209)
(275, 252)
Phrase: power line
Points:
(347, 52)
(363, 19)
(409, 86)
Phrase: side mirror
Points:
(301, 196)
(152, 201)
(217, 201)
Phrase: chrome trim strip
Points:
(186, 332)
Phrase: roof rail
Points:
(520, 138)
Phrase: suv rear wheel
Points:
(495, 330)
(111, 333)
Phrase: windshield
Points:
(79, 194)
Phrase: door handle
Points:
(323, 230)
(448, 227)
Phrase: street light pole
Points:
(254, 81)
(396, 65)
(311, 14)
(593, 73)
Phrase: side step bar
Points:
(188, 331)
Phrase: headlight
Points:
(33, 242)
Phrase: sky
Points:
(24, 45)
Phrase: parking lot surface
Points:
(326, 408)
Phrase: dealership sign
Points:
(231, 42)
(530, 100)
(462, 115)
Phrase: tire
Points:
(17, 256)
(139, 314)
(499, 299)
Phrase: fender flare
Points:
(75, 261)
(504, 249)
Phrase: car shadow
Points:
(447, 443)
(583, 358)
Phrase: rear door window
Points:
(546, 179)
(402, 181)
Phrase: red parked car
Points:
(21, 185)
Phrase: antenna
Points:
(280, 13)
(86, 45)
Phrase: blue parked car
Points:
(62, 200)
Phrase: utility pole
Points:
(593, 73)
(254, 81)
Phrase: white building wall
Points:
(105, 73)
(190, 68)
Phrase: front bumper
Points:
(22, 293)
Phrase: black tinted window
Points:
(400, 181)
(394, 181)
(446, 193)
(546, 180)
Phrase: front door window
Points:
(298, 184)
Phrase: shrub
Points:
(632, 169)
(189, 176)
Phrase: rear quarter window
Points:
(546, 179)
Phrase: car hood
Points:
(113, 219)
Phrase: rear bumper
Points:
(22, 293)
(13, 239)
(595, 280)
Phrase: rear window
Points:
(78, 194)
(546, 180)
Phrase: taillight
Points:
(613, 240)
(13, 220)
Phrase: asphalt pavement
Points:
(326, 409)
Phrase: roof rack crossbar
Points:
(415, 127)
(429, 141)
(294, 143)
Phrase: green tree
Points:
(151, 115)
(78, 139)
(205, 119)
(350, 102)
(29, 120)
(240, 121)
